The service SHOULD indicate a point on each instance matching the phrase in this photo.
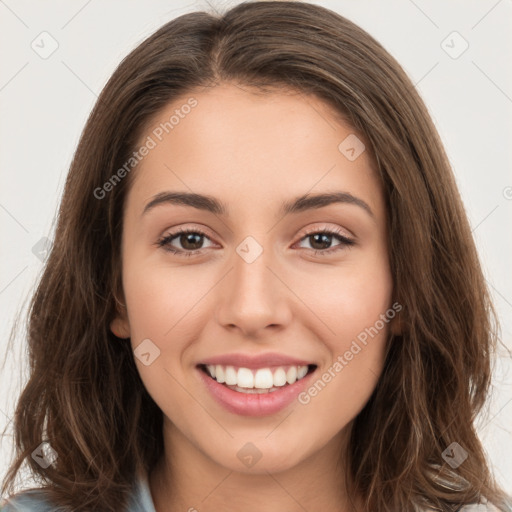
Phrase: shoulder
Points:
(33, 500)
(480, 507)
(474, 507)
(36, 500)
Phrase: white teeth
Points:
(301, 371)
(279, 377)
(291, 375)
(253, 391)
(219, 373)
(245, 378)
(230, 376)
(261, 379)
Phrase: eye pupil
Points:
(323, 239)
(187, 241)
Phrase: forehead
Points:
(252, 148)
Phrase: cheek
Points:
(165, 307)
(161, 313)
(357, 308)
(348, 300)
(149, 302)
(355, 303)
(160, 299)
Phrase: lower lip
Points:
(262, 404)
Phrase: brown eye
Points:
(321, 241)
(189, 242)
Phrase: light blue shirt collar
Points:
(142, 501)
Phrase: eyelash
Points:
(165, 241)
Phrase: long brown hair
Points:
(84, 395)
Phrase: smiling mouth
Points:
(257, 381)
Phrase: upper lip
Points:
(255, 361)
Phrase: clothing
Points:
(35, 501)
(140, 501)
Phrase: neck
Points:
(186, 479)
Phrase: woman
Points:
(263, 290)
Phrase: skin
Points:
(252, 151)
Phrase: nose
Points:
(253, 297)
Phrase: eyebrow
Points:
(299, 204)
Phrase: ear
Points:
(120, 326)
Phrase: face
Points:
(252, 284)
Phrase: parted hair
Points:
(84, 395)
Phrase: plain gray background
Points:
(457, 53)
